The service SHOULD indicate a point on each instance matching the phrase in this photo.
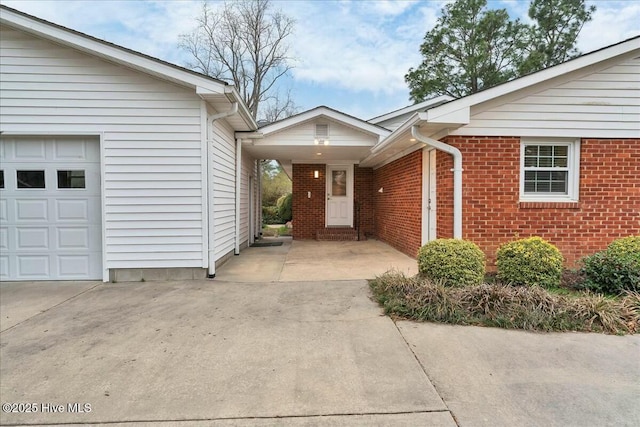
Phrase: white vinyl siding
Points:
(604, 104)
(151, 144)
(305, 133)
(224, 190)
(248, 169)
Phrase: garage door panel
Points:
(32, 210)
(72, 238)
(33, 266)
(4, 239)
(30, 150)
(69, 150)
(32, 238)
(72, 210)
(73, 265)
(50, 233)
(4, 217)
(4, 267)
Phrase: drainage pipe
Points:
(238, 191)
(457, 176)
(210, 193)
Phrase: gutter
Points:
(210, 196)
(457, 176)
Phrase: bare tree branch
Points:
(243, 42)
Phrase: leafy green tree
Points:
(552, 38)
(275, 183)
(472, 48)
(469, 49)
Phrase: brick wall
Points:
(398, 219)
(364, 201)
(609, 205)
(308, 213)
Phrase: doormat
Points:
(265, 244)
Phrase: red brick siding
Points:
(398, 209)
(608, 207)
(364, 201)
(308, 213)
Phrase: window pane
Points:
(71, 179)
(545, 150)
(560, 162)
(30, 179)
(560, 150)
(531, 150)
(1, 179)
(543, 187)
(530, 162)
(546, 182)
(545, 162)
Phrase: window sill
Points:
(548, 205)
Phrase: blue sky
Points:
(350, 55)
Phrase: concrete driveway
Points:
(219, 353)
(288, 351)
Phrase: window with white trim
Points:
(549, 170)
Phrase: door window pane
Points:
(30, 179)
(1, 179)
(71, 179)
(339, 183)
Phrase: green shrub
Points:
(615, 269)
(453, 262)
(285, 207)
(270, 215)
(531, 261)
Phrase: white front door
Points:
(339, 196)
(428, 195)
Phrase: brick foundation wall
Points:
(398, 216)
(608, 207)
(364, 200)
(308, 213)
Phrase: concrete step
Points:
(337, 234)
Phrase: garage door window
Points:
(1, 179)
(30, 179)
(71, 179)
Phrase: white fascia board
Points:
(328, 113)
(234, 96)
(394, 135)
(107, 51)
(456, 117)
(627, 47)
(411, 108)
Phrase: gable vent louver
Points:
(321, 134)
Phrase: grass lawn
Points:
(506, 306)
(276, 232)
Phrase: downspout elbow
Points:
(230, 112)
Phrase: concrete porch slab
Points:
(310, 260)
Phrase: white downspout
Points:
(210, 193)
(238, 191)
(457, 176)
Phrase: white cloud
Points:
(356, 48)
(613, 22)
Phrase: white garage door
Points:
(50, 220)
